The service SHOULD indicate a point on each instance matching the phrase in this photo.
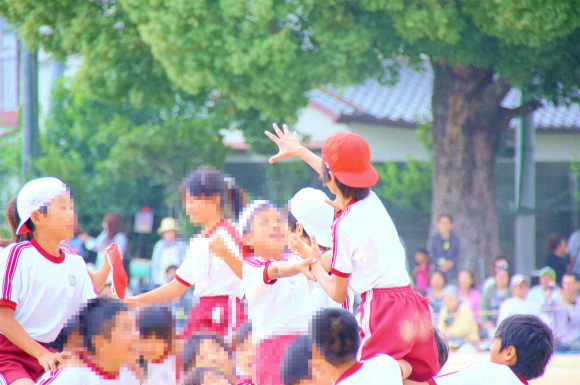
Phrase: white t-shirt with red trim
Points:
(162, 372)
(381, 369)
(44, 290)
(321, 300)
(277, 307)
(87, 375)
(487, 373)
(209, 273)
(366, 247)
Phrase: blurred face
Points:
(437, 282)
(122, 348)
(562, 249)
(520, 290)
(212, 355)
(319, 374)
(169, 235)
(546, 280)
(502, 279)
(450, 302)
(267, 237)
(420, 257)
(214, 378)
(464, 280)
(245, 354)
(500, 264)
(444, 225)
(202, 210)
(59, 220)
(570, 286)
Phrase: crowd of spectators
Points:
(468, 313)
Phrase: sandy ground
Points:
(562, 369)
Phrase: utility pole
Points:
(525, 196)
(29, 109)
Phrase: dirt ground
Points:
(562, 369)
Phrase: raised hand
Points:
(304, 267)
(305, 250)
(288, 143)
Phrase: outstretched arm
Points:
(281, 269)
(169, 291)
(100, 276)
(289, 146)
(219, 248)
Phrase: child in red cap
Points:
(366, 255)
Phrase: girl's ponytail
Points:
(13, 220)
(236, 198)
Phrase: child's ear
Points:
(509, 355)
(299, 229)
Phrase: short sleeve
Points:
(486, 373)
(11, 273)
(186, 272)
(253, 273)
(231, 240)
(341, 263)
(392, 373)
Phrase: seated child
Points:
(520, 352)
(156, 345)
(207, 376)
(245, 354)
(336, 341)
(205, 349)
(299, 368)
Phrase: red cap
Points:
(348, 156)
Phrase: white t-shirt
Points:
(164, 372)
(209, 273)
(321, 300)
(277, 307)
(381, 369)
(44, 290)
(366, 247)
(74, 375)
(537, 295)
(514, 306)
(486, 373)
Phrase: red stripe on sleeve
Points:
(8, 303)
(339, 273)
(267, 281)
(181, 280)
(11, 268)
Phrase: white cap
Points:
(315, 215)
(517, 279)
(34, 195)
(248, 215)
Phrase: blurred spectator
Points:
(421, 271)
(492, 299)
(168, 251)
(457, 322)
(76, 243)
(113, 232)
(563, 309)
(540, 293)
(558, 258)
(467, 293)
(443, 248)
(574, 250)
(499, 263)
(435, 294)
(518, 304)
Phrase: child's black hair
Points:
(442, 346)
(157, 322)
(207, 182)
(97, 318)
(13, 220)
(295, 365)
(197, 376)
(293, 222)
(70, 327)
(355, 193)
(192, 346)
(335, 333)
(533, 341)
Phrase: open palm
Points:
(288, 143)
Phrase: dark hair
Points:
(197, 376)
(157, 321)
(207, 182)
(293, 222)
(71, 326)
(499, 257)
(13, 220)
(243, 333)
(442, 276)
(533, 341)
(114, 225)
(335, 333)
(445, 215)
(192, 346)
(97, 318)
(295, 364)
(355, 193)
(553, 241)
(442, 346)
(572, 274)
(423, 251)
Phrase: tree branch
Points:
(523, 110)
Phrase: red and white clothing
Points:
(87, 374)
(380, 369)
(487, 373)
(392, 318)
(280, 311)
(219, 289)
(163, 371)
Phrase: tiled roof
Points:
(408, 102)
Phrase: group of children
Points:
(292, 279)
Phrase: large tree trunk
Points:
(468, 121)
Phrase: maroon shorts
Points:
(397, 321)
(15, 363)
(220, 314)
(269, 358)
